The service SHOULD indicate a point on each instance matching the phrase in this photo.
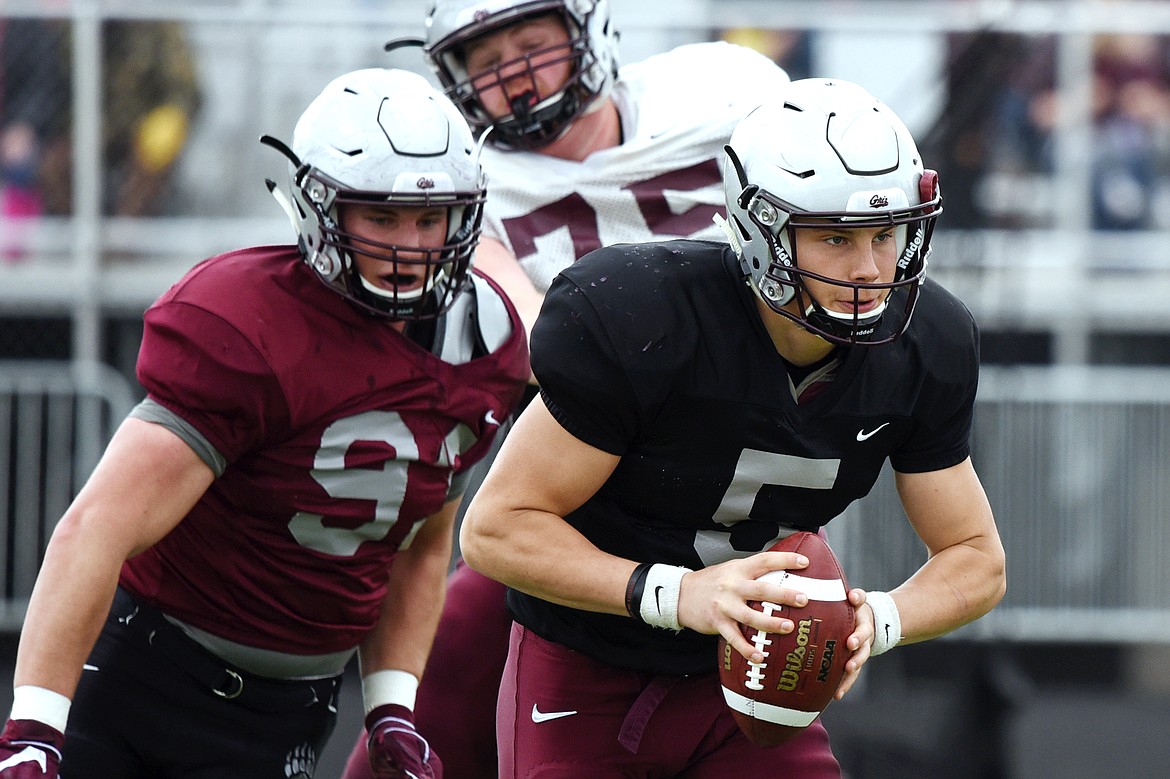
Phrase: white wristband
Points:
(887, 624)
(37, 703)
(659, 606)
(384, 687)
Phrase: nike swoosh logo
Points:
(490, 417)
(657, 605)
(545, 716)
(864, 436)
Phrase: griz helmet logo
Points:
(425, 183)
(879, 201)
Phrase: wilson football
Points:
(774, 700)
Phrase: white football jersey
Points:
(663, 182)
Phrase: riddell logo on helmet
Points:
(879, 201)
(913, 248)
(425, 183)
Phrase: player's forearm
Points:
(956, 586)
(410, 613)
(964, 577)
(542, 555)
(68, 608)
(143, 486)
(514, 530)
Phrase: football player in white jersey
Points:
(581, 153)
(642, 165)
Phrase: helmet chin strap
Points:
(844, 326)
(849, 319)
(410, 296)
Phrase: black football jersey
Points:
(655, 352)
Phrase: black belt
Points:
(223, 679)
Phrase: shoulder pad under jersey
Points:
(478, 323)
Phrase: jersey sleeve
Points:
(209, 374)
(582, 380)
(946, 409)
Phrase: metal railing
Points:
(1076, 464)
(55, 420)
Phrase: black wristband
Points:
(634, 590)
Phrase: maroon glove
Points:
(397, 750)
(30, 750)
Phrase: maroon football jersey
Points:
(340, 435)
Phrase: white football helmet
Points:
(828, 150)
(386, 137)
(592, 47)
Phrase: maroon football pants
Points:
(563, 715)
(456, 707)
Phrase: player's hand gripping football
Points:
(397, 750)
(859, 643)
(714, 600)
(30, 750)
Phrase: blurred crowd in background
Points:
(151, 94)
(1052, 143)
(992, 140)
(995, 139)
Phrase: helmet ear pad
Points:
(828, 151)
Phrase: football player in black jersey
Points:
(580, 154)
(700, 400)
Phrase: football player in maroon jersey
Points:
(703, 400)
(285, 494)
(581, 153)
